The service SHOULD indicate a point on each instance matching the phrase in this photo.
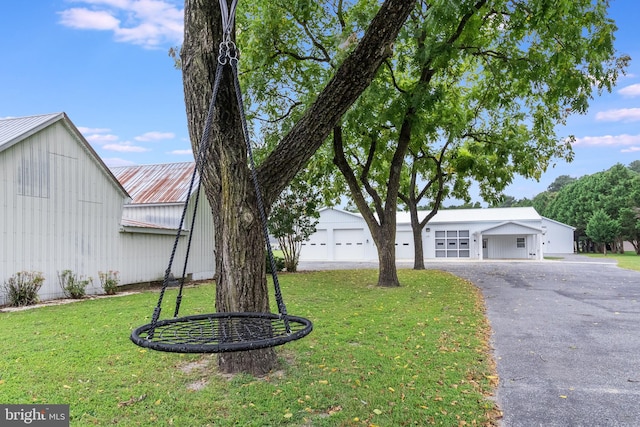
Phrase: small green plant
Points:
(109, 281)
(72, 285)
(279, 263)
(22, 288)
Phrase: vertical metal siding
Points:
(76, 227)
(145, 256)
(167, 215)
(504, 247)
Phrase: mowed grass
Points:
(414, 355)
(629, 260)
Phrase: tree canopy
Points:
(488, 78)
(615, 192)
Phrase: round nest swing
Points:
(221, 332)
(224, 331)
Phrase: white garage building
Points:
(62, 208)
(497, 233)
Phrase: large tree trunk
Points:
(418, 250)
(240, 270)
(239, 258)
(383, 228)
(385, 240)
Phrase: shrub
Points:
(279, 263)
(22, 288)
(72, 285)
(109, 281)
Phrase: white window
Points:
(520, 242)
(33, 174)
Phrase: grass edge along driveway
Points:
(414, 355)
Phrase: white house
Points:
(498, 233)
(62, 208)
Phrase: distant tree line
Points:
(604, 207)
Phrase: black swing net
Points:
(220, 332)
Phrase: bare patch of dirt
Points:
(201, 369)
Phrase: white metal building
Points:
(498, 233)
(62, 208)
(158, 194)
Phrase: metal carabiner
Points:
(223, 53)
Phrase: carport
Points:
(509, 240)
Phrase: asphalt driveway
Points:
(566, 338)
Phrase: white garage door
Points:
(315, 249)
(349, 244)
(404, 245)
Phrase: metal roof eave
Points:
(519, 224)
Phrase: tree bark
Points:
(418, 250)
(239, 247)
(383, 229)
(412, 200)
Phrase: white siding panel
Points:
(504, 247)
(60, 210)
(167, 215)
(202, 257)
(558, 238)
(74, 226)
(145, 256)
(337, 216)
(512, 229)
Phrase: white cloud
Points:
(125, 147)
(631, 149)
(631, 90)
(154, 136)
(85, 19)
(123, 4)
(97, 138)
(86, 131)
(622, 114)
(608, 140)
(181, 152)
(97, 135)
(148, 23)
(116, 161)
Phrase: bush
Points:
(22, 288)
(72, 286)
(279, 263)
(109, 281)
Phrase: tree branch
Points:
(393, 77)
(297, 56)
(364, 177)
(351, 78)
(314, 41)
(340, 161)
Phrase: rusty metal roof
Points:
(156, 184)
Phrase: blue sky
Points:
(105, 63)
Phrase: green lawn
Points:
(629, 260)
(415, 355)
